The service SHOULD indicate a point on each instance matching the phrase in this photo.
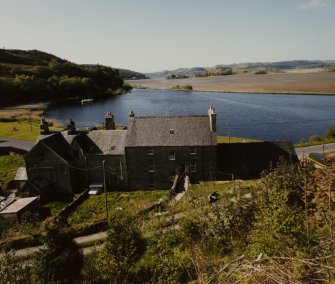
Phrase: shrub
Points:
(314, 138)
(60, 261)
(330, 133)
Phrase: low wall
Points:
(249, 160)
(70, 207)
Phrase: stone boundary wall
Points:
(249, 160)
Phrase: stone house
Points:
(159, 147)
(67, 162)
(145, 156)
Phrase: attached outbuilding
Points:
(18, 207)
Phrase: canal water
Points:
(259, 116)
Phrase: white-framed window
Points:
(192, 167)
(172, 155)
(193, 150)
(150, 151)
(151, 168)
(171, 131)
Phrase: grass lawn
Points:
(21, 129)
(198, 193)
(128, 201)
(225, 139)
(8, 166)
(55, 206)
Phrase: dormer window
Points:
(171, 131)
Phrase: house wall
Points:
(115, 169)
(141, 175)
(43, 164)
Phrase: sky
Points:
(156, 35)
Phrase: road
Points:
(305, 151)
(16, 143)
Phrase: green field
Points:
(8, 167)
(226, 139)
(22, 129)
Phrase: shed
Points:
(19, 206)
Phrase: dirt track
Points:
(295, 83)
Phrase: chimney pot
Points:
(109, 121)
(212, 118)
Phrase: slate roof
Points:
(191, 130)
(109, 142)
(18, 205)
(58, 144)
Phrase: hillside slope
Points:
(35, 75)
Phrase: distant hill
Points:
(258, 67)
(129, 74)
(35, 75)
(124, 73)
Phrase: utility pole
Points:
(31, 128)
(105, 189)
(228, 132)
(323, 150)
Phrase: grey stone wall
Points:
(155, 170)
(43, 164)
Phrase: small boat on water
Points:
(86, 101)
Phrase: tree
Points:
(124, 247)
(330, 132)
(60, 261)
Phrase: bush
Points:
(124, 247)
(330, 133)
(60, 261)
(182, 87)
(314, 138)
(259, 72)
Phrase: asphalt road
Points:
(305, 151)
(15, 143)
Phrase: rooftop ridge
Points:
(171, 116)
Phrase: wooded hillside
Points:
(34, 75)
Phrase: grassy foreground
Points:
(8, 167)
(128, 202)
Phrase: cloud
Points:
(312, 4)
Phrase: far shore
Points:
(300, 83)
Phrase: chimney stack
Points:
(110, 124)
(71, 127)
(44, 127)
(212, 118)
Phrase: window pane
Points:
(172, 155)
